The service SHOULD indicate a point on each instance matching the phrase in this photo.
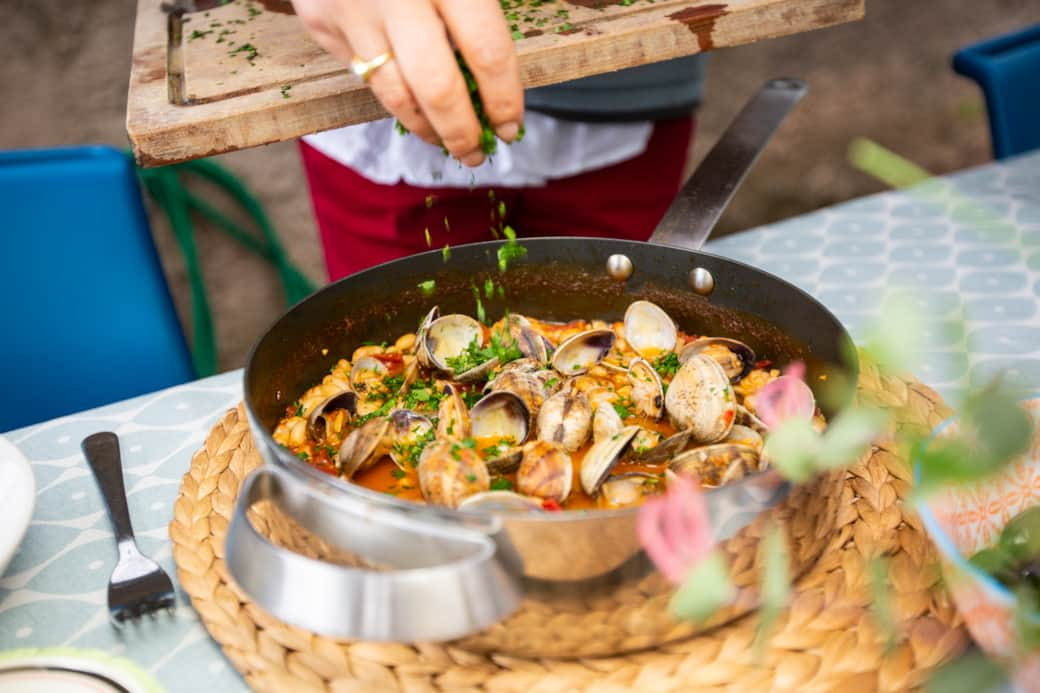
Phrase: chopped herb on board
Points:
(285, 90)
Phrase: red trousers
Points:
(363, 223)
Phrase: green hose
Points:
(169, 192)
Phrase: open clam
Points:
(449, 473)
(422, 354)
(649, 330)
(582, 351)
(453, 419)
(745, 435)
(717, 464)
(566, 418)
(663, 450)
(500, 415)
(545, 471)
(366, 373)
(448, 337)
(530, 343)
(601, 458)
(364, 446)
(501, 502)
(647, 388)
(527, 386)
(319, 419)
(407, 429)
(736, 358)
(625, 490)
(700, 400)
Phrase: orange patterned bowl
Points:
(966, 518)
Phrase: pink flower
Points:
(787, 396)
(675, 530)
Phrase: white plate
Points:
(66, 670)
(17, 498)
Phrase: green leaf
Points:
(1002, 427)
(849, 435)
(882, 610)
(776, 584)
(427, 286)
(793, 447)
(896, 342)
(972, 673)
(707, 588)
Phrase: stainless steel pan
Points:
(435, 574)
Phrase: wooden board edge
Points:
(167, 134)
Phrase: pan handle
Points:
(443, 582)
(701, 201)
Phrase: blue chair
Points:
(1008, 70)
(88, 317)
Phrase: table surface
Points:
(968, 242)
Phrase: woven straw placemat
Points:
(828, 638)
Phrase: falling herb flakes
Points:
(285, 90)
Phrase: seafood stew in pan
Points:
(533, 415)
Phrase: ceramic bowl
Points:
(967, 518)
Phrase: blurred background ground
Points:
(887, 78)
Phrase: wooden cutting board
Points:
(213, 77)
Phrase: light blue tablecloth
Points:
(971, 241)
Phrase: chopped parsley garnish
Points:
(551, 382)
(398, 473)
(423, 394)
(409, 452)
(501, 484)
(471, 478)
(299, 408)
(622, 410)
(667, 365)
(471, 397)
(285, 90)
(502, 346)
(511, 250)
(489, 288)
(446, 252)
(303, 455)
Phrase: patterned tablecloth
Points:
(968, 242)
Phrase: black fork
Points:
(138, 584)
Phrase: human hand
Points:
(422, 85)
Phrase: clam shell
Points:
(529, 342)
(527, 386)
(700, 400)
(601, 458)
(649, 330)
(745, 435)
(406, 427)
(717, 464)
(498, 415)
(364, 446)
(365, 370)
(523, 365)
(664, 450)
(506, 463)
(316, 424)
(453, 421)
(746, 418)
(545, 471)
(582, 351)
(647, 389)
(606, 422)
(448, 336)
(737, 358)
(422, 354)
(567, 419)
(500, 502)
(449, 473)
(625, 490)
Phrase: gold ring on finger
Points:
(365, 68)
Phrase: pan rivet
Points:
(701, 281)
(619, 267)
